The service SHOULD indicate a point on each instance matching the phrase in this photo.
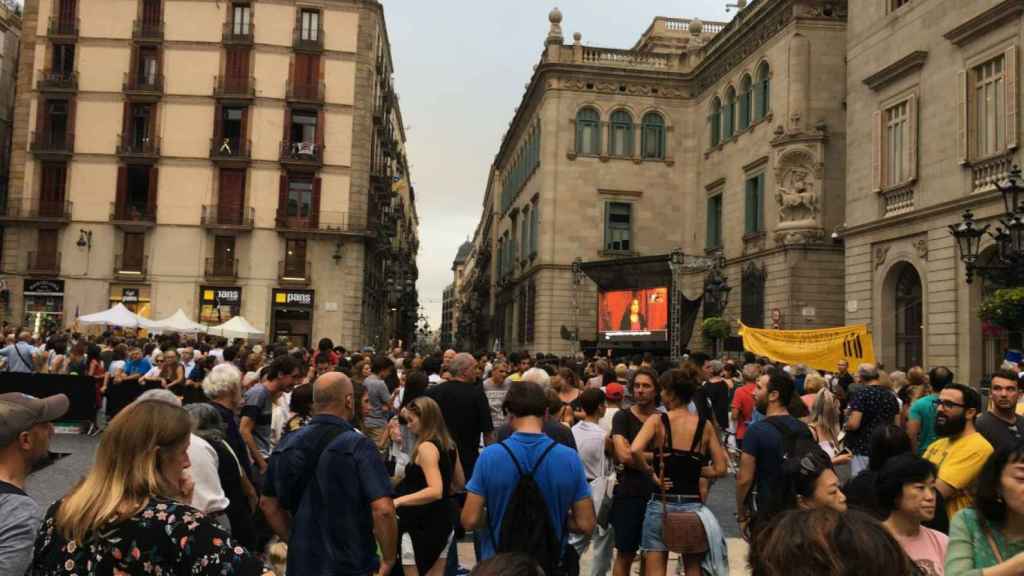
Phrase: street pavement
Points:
(52, 482)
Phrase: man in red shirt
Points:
(743, 401)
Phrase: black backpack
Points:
(526, 526)
(796, 441)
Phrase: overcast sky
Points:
(460, 69)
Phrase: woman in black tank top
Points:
(689, 447)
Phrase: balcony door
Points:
(52, 190)
(67, 11)
(62, 60)
(231, 199)
(295, 258)
(231, 129)
(241, 19)
(57, 123)
(147, 67)
(151, 14)
(46, 258)
(134, 253)
(140, 126)
(224, 256)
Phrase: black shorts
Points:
(627, 517)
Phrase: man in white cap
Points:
(25, 432)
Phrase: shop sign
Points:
(221, 296)
(44, 288)
(130, 295)
(297, 298)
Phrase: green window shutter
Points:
(607, 228)
(750, 204)
(534, 232)
(712, 225)
(759, 203)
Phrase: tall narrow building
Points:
(220, 157)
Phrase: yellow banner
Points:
(818, 349)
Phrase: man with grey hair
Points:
(17, 357)
(874, 406)
(222, 385)
(538, 376)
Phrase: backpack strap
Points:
(543, 455)
(781, 428)
(513, 457)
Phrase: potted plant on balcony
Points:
(1005, 308)
(715, 329)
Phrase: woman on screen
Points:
(632, 319)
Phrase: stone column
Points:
(799, 82)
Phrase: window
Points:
(896, 144)
(241, 19)
(223, 255)
(713, 120)
(57, 122)
(524, 235)
(990, 107)
(746, 86)
(138, 189)
(295, 258)
(303, 127)
(300, 197)
(534, 228)
(653, 136)
(588, 132)
(531, 303)
(62, 61)
(754, 202)
(310, 25)
(618, 227)
(729, 115)
(762, 92)
(897, 4)
(140, 126)
(714, 239)
(622, 134)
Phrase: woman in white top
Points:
(824, 424)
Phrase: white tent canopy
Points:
(237, 327)
(177, 322)
(116, 316)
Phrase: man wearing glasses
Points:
(960, 451)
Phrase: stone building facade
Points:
(230, 158)
(724, 139)
(932, 94)
(10, 39)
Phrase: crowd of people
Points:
(239, 459)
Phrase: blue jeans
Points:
(651, 540)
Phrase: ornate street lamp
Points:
(1008, 266)
(716, 289)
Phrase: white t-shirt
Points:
(590, 440)
(208, 496)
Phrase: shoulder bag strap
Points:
(661, 457)
(991, 542)
(31, 366)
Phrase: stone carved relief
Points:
(613, 88)
(797, 192)
(881, 252)
(921, 246)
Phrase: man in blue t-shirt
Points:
(921, 421)
(560, 476)
(762, 446)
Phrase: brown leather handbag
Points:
(681, 532)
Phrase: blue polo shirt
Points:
(140, 366)
(332, 532)
(560, 476)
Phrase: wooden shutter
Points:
(237, 64)
(320, 129)
(1011, 98)
(287, 133)
(72, 108)
(911, 144)
(134, 251)
(243, 134)
(122, 190)
(962, 144)
(41, 106)
(218, 124)
(154, 174)
(126, 119)
(877, 150)
(314, 213)
(282, 196)
(750, 224)
(68, 9)
(232, 192)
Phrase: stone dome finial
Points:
(696, 26)
(555, 34)
(577, 37)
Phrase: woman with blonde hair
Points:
(425, 523)
(126, 515)
(824, 425)
(812, 384)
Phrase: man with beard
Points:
(960, 451)
(1001, 425)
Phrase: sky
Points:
(461, 68)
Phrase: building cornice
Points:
(949, 206)
(898, 69)
(998, 15)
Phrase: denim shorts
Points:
(651, 540)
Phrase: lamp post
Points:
(1006, 268)
(716, 292)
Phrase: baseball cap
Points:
(614, 391)
(19, 412)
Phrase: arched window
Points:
(762, 91)
(588, 132)
(653, 136)
(714, 120)
(621, 137)
(729, 115)
(746, 85)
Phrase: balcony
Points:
(309, 40)
(294, 272)
(221, 269)
(234, 87)
(238, 32)
(62, 28)
(42, 212)
(130, 148)
(143, 31)
(305, 92)
(221, 218)
(53, 145)
(43, 264)
(132, 216)
(308, 154)
(144, 87)
(230, 150)
(58, 81)
(131, 270)
(322, 223)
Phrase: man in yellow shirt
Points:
(960, 451)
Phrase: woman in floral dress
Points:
(126, 517)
